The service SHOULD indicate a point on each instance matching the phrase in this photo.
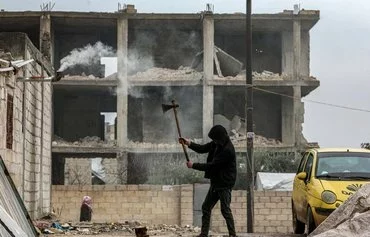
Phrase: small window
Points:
(301, 164)
(308, 167)
(9, 122)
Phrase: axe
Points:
(173, 106)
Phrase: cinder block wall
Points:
(272, 212)
(29, 160)
(118, 203)
(155, 204)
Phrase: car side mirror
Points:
(302, 176)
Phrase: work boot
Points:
(201, 235)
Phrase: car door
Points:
(306, 183)
(299, 189)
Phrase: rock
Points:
(235, 123)
(219, 119)
(350, 219)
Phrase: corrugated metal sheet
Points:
(19, 223)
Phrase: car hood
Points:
(342, 188)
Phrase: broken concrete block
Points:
(349, 219)
(219, 119)
(217, 64)
(225, 64)
(230, 66)
(242, 130)
(235, 123)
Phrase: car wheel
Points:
(298, 226)
(310, 221)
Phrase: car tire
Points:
(298, 226)
(310, 221)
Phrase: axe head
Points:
(165, 107)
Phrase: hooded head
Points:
(218, 134)
(87, 200)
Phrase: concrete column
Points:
(296, 48)
(287, 121)
(297, 113)
(3, 95)
(305, 54)
(46, 48)
(122, 95)
(208, 49)
(122, 90)
(46, 45)
(287, 53)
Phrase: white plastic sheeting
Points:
(275, 181)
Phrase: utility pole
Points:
(249, 120)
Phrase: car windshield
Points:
(343, 165)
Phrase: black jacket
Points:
(221, 161)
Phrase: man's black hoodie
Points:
(221, 161)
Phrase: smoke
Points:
(137, 92)
(140, 52)
(88, 55)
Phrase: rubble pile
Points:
(182, 73)
(236, 130)
(83, 76)
(350, 219)
(157, 146)
(6, 55)
(265, 75)
(260, 141)
(152, 146)
(127, 228)
(88, 141)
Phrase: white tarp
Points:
(275, 181)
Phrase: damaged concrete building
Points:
(110, 117)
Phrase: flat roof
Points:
(223, 22)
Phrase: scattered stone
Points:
(88, 141)
(182, 73)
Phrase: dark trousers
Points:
(224, 195)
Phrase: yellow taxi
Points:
(324, 180)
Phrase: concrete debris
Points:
(80, 77)
(225, 64)
(127, 228)
(236, 130)
(265, 75)
(260, 141)
(6, 55)
(182, 73)
(229, 65)
(152, 146)
(222, 120)
(350, 219)
(88, 141)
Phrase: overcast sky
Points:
(340, 56)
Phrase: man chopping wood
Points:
(220, 168)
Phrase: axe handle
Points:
(178, 129)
